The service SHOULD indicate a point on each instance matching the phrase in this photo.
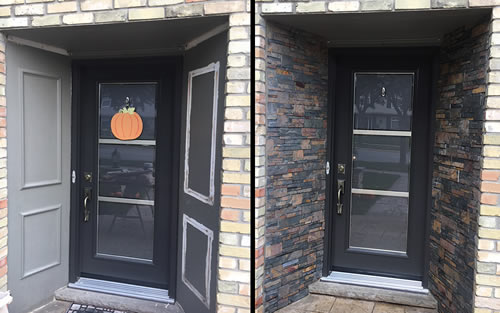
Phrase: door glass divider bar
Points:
(386, 73)
(128, 142)
(123, 257)
(381, 132)
(126, 200)
(401, 194)
(397, 252)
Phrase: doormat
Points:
(83, 308)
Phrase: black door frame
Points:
(74, 249)
(433, 54)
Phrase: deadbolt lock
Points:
(341, 168)
(87, 176)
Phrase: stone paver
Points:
(330, 304)
(388, 308)
(343, 305)
(315, 303)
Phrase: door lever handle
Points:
(340, 193)
(87, 196)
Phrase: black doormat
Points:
(83, 308)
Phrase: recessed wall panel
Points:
(41, 101)
(41, 232)
(197, 243)
(201, 138)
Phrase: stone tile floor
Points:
(330, 304)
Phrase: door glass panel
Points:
(381, 150)
(125, 230)
(383, 101)
(381, 162)
(126, 185)
(379, 222)
(142, 98)
(126, 171)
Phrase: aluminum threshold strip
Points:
(121, 289)
(376, 281)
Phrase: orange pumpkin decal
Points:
(126, 124)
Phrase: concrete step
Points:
(115, 302)
(373, 294)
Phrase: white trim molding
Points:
(211, 33)
(208, 199)
(208, 261)
(37, 45)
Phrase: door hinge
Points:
(73, 176)
(327, 169)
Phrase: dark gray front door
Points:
(200, 175)
(128, 186)
(380, 164)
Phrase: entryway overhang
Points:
(199, 46)
(407, 28)
(305, 54)
(151, 38)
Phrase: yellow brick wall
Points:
(487, 293)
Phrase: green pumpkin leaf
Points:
(129, 110)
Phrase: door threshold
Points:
(122, 289)
(399, 284)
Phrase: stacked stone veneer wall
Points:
(459, 116)
(234, 261)
(265, 283)
(465, 236)
(296, 78)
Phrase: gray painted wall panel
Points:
(38, 124)
(41, 119)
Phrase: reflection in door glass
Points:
(381, 150)
(125, 230)
(126, 185)
(379, 222)
(381, 162)
(142, 97)
(383, 101)
(127, 171)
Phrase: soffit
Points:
(384, 28)
(123, 39)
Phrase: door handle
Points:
(340, 193)
(87, 196)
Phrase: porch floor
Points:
(54, 307)
(331, 304)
